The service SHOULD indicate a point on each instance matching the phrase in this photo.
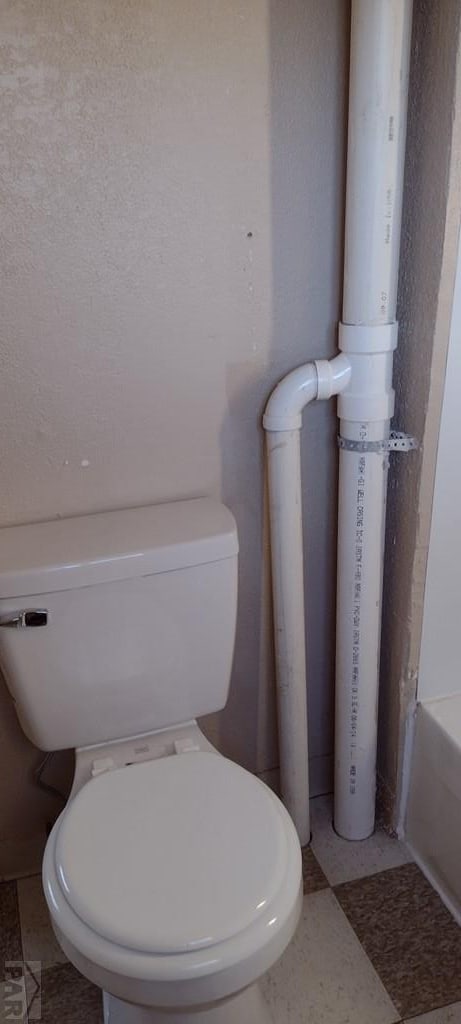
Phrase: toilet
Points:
(173, 875)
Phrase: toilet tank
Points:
(135, 620)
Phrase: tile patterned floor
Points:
(409, 936)
(375, 944)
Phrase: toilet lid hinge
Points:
(102, 764)
(185, 746)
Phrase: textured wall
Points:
(432, 205)
(172, 179)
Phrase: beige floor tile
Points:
(446, 1015)
(324, 976)
(343, 861)
(13, 1002)
(38, 941)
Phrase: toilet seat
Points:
(172, 855)
(216, 969)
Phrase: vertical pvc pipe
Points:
(282, 421)
(380, 46)
(378, 91)
(361, 512)
(284, 469)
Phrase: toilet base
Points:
(247, 1007)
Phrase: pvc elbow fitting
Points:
(289, 397)
(320, 379)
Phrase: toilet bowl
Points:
(173, 876)
(174, 885)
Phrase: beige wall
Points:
(171, 244)
(432, 208)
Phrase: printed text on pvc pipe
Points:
(356, 619)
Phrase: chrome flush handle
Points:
(27, 618)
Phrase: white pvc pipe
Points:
(282, 422)
(362, 377)
(378, 89)
(380, 46)
(319, 379)
(284, 478)
(361, 521)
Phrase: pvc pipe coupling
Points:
(361, 375)
(369, 395)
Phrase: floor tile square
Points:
(10, 933)
(341, 860)
(446, 1015)
(68, 998)
(21, 857)
(324, 976)
(313, 876)
(38, 941)
(13, 1000)
(409, 935)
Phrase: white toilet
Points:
(173, 876)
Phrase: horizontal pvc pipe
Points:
(284, 466)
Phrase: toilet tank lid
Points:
(64, 554)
